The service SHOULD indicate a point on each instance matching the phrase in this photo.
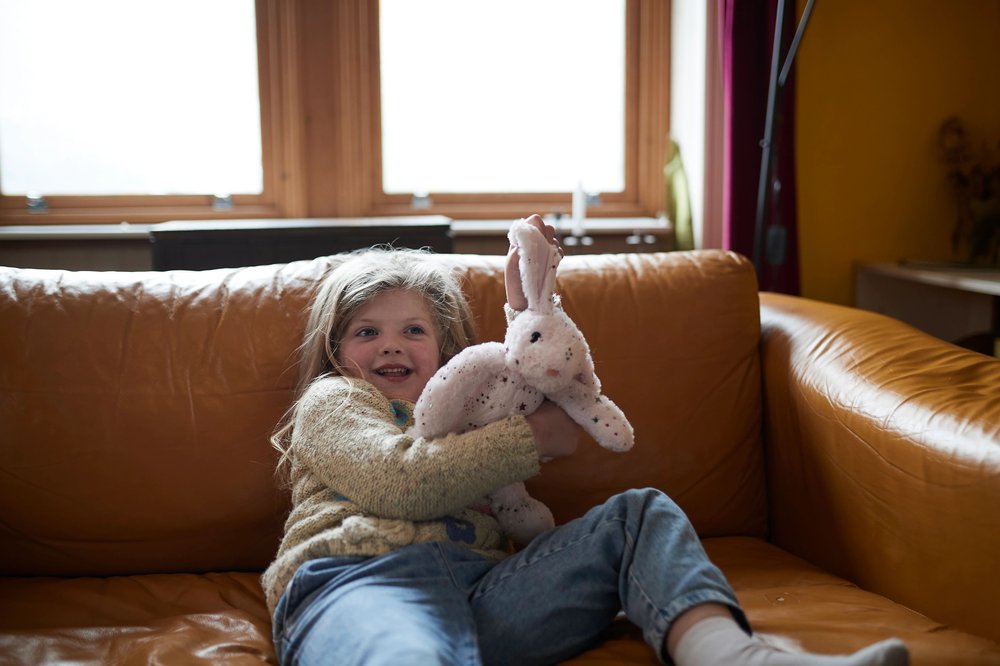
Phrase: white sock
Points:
(719, 640)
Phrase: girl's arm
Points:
(345, 436)
(512, 271)
(556, 434)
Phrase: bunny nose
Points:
(552, 372)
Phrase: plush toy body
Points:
(544, 355)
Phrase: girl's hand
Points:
(512, 272)
(556, 434)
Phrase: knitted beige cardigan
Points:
(361, 486)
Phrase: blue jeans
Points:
(439, 603)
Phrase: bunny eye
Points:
(536, 336)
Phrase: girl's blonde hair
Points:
(364, 275)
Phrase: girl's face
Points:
(391, 342)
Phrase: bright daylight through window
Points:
(519, 96)
(110, 97)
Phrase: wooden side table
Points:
(957, 304)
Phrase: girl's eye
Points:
(415, 330)
(366, 332)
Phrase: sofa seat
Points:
(797, 606)
(215, 618)
(786, 596)
(221, 618)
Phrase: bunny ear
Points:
(538, 262)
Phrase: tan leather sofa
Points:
(842, 468)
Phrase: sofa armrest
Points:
(883, 457)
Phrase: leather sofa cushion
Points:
(137, 407)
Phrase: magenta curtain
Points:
(747, 28)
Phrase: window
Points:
(342, 78)
(117, 110)
(525, 96)
(164, 98)
(332, 143)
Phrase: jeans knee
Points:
(644, 499)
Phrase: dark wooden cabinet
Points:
(198, 245)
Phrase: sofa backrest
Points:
(135, 408)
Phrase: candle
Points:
(579, 209)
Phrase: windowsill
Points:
(460, 228)
(596, 226)
(123, 231)
(127, 231)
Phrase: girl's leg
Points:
(636, 552)
(708, 635)
(397, 609)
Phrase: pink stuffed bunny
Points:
(544, 355)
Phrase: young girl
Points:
(390, 554)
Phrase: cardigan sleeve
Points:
(345, 434)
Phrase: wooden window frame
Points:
(277, 60)
(344, 158)
(319, 78)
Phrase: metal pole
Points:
(766, 145)
(775, 84)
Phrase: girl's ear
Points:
(538, 262)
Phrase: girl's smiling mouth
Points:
(393, 372)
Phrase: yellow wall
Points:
(875, 78)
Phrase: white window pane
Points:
(129, 97)
(518, 96)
